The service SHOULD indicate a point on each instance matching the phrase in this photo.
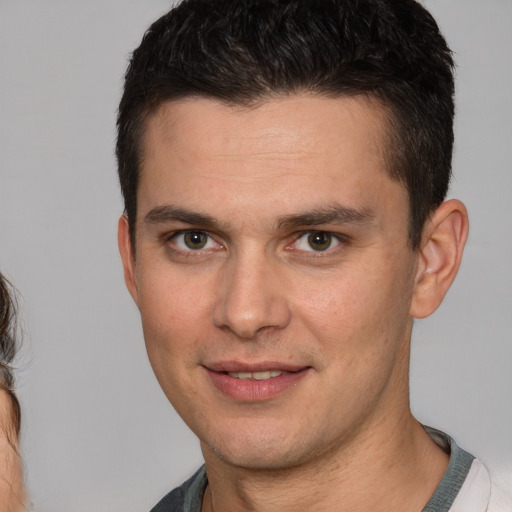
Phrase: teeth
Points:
(261, 375)
(255, 375)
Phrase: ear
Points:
(444, 236)
(127, 256)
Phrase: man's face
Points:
(273, 274)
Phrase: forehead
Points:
(290, 150)
(288, 124)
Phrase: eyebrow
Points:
(333, 214)
(170, 213)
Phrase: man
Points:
(284, 166)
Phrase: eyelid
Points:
(336, 237)
(170, 238)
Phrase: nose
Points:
(250, 297)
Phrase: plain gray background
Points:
(98, 434)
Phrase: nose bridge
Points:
(250, 298)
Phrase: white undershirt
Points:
(475, 493)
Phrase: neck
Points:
(396, 470)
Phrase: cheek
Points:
(176, 321)
(174, 314)
(169, 321)
(358, 310)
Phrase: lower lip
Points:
(255, 390)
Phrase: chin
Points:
(259, 453)
(258, 461)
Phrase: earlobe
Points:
(444, 236)
(127, 256)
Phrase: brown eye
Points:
(195, 239)
(319, 240)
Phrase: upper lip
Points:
(238, 366)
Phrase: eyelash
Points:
(332, 238)
(170, 240)
(337, 238)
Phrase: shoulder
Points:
(468, 485)
(484, 489)
(187, 497)
(501, 487)
(476, 490)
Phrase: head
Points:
(244, 53)
(12, 493)
(283, 165)
(8, 348)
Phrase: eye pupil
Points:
(195, 239)
(319, 240)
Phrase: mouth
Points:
(256, 383)
(269, 374)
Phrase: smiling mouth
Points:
(257, 385)
(270, 374)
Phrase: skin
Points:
(253, 184)
(12, 496)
